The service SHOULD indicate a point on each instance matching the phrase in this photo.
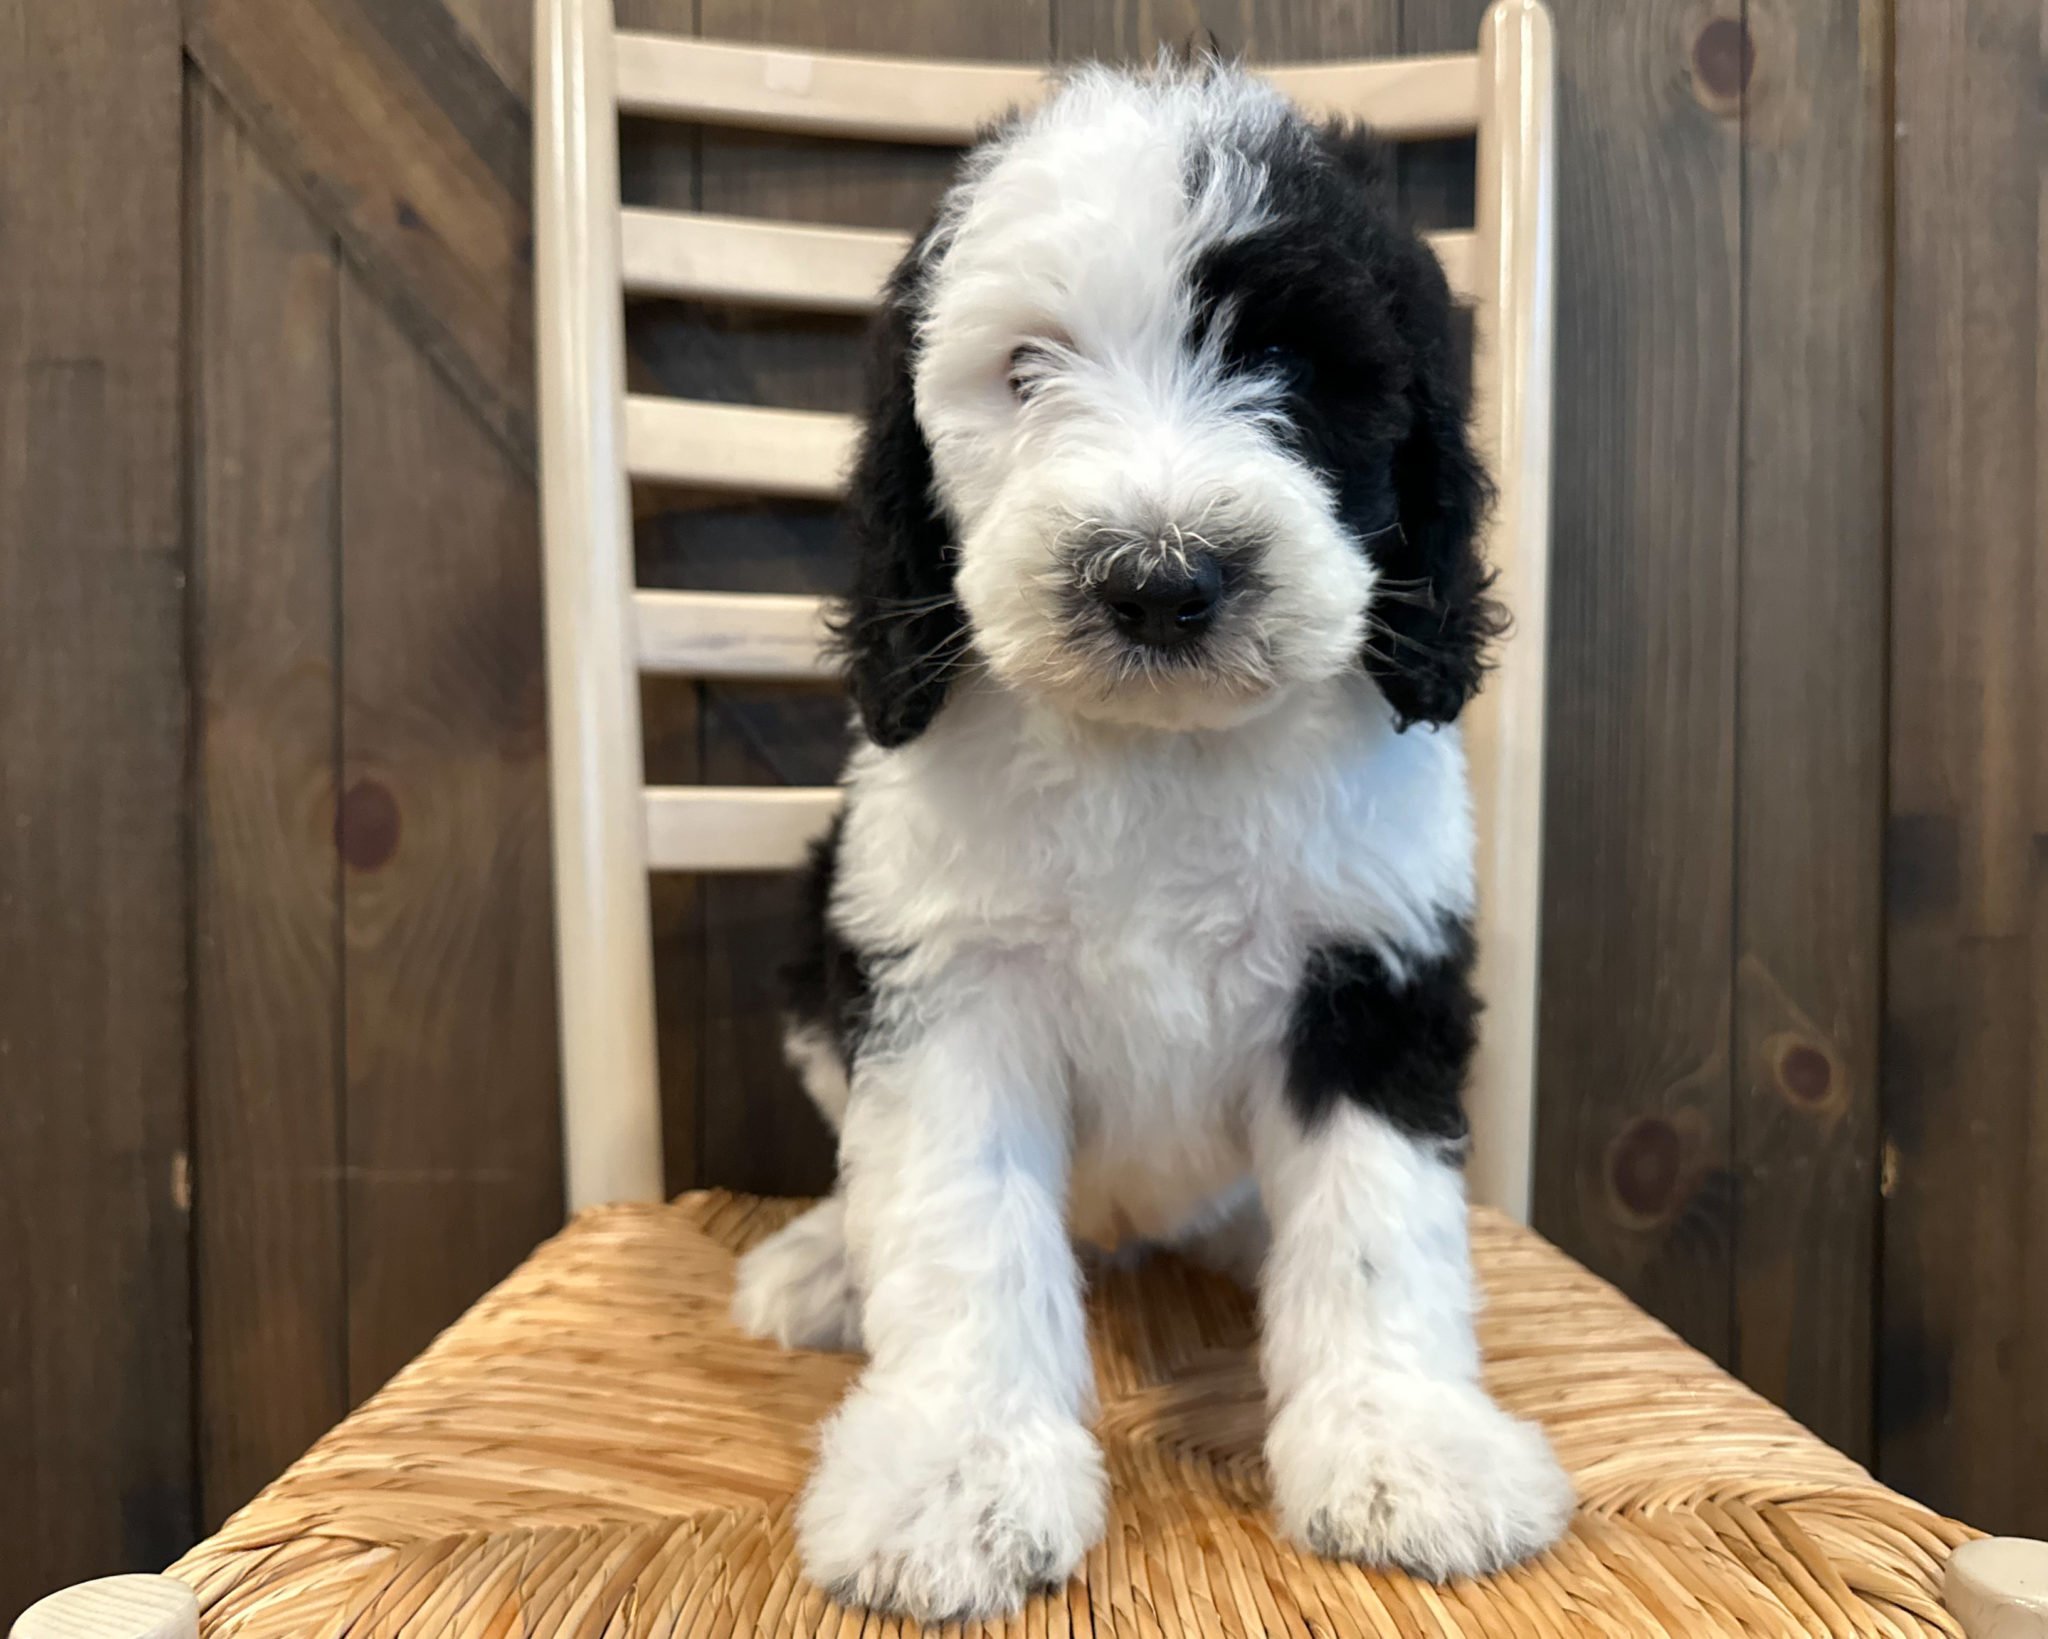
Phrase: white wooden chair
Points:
(595, 438)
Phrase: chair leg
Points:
(116, 1607)
(1997, 1587)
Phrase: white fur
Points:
(1383, 1446)
(957, 1475)
(1057, 244)
(797, 1286)
(1087, 901)
(1148, 901)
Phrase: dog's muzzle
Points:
(1158, 590)
(1163, 602)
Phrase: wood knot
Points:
(367, 825)
(1805, 1073)
(1723, 58)
(1644, 1165)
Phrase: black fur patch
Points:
(1339, 292)
(900, 631)
(825, 979)
(1399, 1048)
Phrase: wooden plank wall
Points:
(1965, 1332)
(95, 1348)
(276, 1053)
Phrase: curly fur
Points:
(1149, 941)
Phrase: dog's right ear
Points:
(901, 629)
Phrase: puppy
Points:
(1148, 916)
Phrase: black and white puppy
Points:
(1148, 916)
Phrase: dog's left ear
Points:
(900, 629)
(1438, 615)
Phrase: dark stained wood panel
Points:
(1963, 1421)
(95, 1341)
(1633, 1169)
(453, 1123)
(1810, 700)
(502, 32)
(407, 143)
(267, 1064)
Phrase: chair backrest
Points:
(602, 632)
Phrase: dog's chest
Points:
(1172, 991)
(1154, 909)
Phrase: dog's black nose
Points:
(1166, 600)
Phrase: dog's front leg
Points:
(958, 1476)
(1383, 1447)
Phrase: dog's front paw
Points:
(937, 1508)
(1432, 1477)
(797, 1286)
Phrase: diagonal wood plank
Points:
(503, 32)
(414, 153)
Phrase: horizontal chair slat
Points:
(732, 634)
(1459, 253)
(1407, 98)
(738, 447)
(769, 264)
(826, 270)
(735, 828)
(890, 99)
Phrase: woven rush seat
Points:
(594, 1450)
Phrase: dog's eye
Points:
(1030, 364)
(1284, 364)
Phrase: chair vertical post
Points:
(611, 1108)
(1512, 414)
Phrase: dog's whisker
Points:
(1381, 629)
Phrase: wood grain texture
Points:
(95, 1345)
(408, 144)
(1633, 1169)
(502, 31)
(1810, 704)
(454, 1149)
(267, 1068)
(1963, 1421)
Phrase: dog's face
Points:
(1167, 423)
